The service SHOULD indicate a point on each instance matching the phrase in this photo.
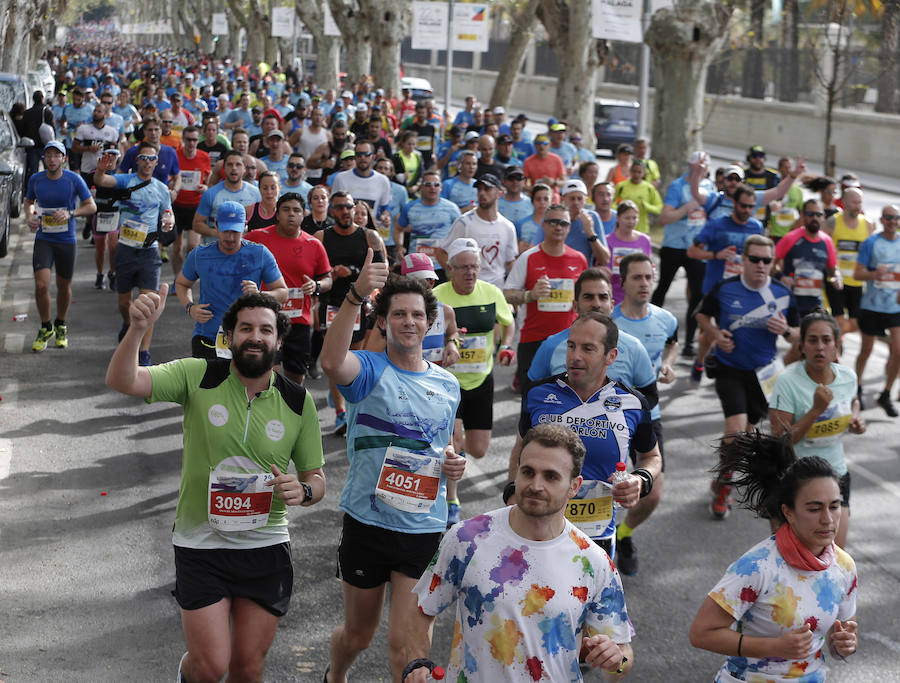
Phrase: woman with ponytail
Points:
(792, 596)
(815, 403)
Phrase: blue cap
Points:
(57, 145)
(231, 216)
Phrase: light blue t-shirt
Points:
(529, 231)
(516, 211)
(459, 192)
(412, 412)
(302, 189)
(428, 225)
(399, 199)
(280, 167)
(880, 295)
(577, 239)
(566, 151)
(655, 330)
(680, 234)
(632, 366)
(221, 274)
(74, 117)
(213, 198)
(793, 393)
(144, 205)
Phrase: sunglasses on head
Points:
(759, 259)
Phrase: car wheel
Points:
(15, 205)
(4, 239)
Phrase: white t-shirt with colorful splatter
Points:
(521, 605)
(768, 598)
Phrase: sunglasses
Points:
(745, 205)
(760, 259)
(146, 157)
(190, 139)
(541, 144)
(364, 154)
(891, 216)
(758, 155)
(431, 184)
(811, 214)
(296, 166)
(575, 139)
(558, 221)
(165, 121)
(342, 207)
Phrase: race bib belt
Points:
(889, 279)
(807, 282)
(107, 221)
(222, 348)
(332, 312)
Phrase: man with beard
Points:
(807, 259)
(307, 272)
(232, 189)
(326, 156)
(294, 182)
(226, 269)
(552, 556)
(233, 574)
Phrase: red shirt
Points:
(296, 257)
(546, 317)
(189, 168)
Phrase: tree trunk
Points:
(753, 85)
(523, 17)
(569, 31)
(388, 24)
(355, 38)
(887, 76)
(682, 41)
(328, 48)
(789, 83)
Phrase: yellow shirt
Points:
(645, 196)
(847, 241)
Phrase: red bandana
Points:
(798, 555)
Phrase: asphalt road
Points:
(89, 479)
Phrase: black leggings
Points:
(670, 260)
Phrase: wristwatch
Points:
(646, 480)
(187, 307)
(318, 288)
(593, 238)
(307, 491)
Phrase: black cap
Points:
(513, 171)
(503, 139)
(490, 180)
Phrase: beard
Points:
(813, 226)
(252, 367)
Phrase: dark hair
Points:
(585, 165)
(767, 471)
(555, 436)
(819, 183)
(819, 315)
(633, 257)
(232, 153)
(290, 197)
(190, 129)
(588, 275)
(239, 131)
(539, 187)
(743, 189)
(256, 300)
(297, 155)
(403, 284)
(808, 202)
(145, 145)
(612, 330)
(341, 193)
(557, 207)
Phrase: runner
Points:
(232, 189)
(233, 574)
(226, 269)
(401, 421)
(848, 230)
(427, 221)
(552, 555)
(194, 167)
(624, 240)
(55, 196)
(263, 213)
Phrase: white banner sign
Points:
(618, 20)
(283, 22)
(471, 27)
(219, 24)
(331, 27)
(429, 26)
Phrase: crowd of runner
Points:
(363, 234)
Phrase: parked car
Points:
(421, 88)
(33, 78)
(615, 122)
(14, 88)
(12, 174)
(47, 78)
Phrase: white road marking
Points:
(892, 645)
(14, 342)
(5, 457)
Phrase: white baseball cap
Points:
(574, 185)
(461, 245)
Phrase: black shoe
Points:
(98, 281)
(111, 278)
(687, 351)
(626, 557)
(86, 231)
(884, 400)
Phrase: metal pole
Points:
(448, 84)
(294, 42)
(644, 73)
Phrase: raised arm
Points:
(123, 373)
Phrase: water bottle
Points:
(619, 475)
(19, 317)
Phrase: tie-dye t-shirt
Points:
(767, 598)
(520, 604)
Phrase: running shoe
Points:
(884, 400)
(626, 557)
(43, 336)
(98, 281)
(720, 505)
(697, 374)
(687, 351)
(452, 513)
(62, 341)
(340, 423)
(111, 279)
(144, 359)
(180, 677)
